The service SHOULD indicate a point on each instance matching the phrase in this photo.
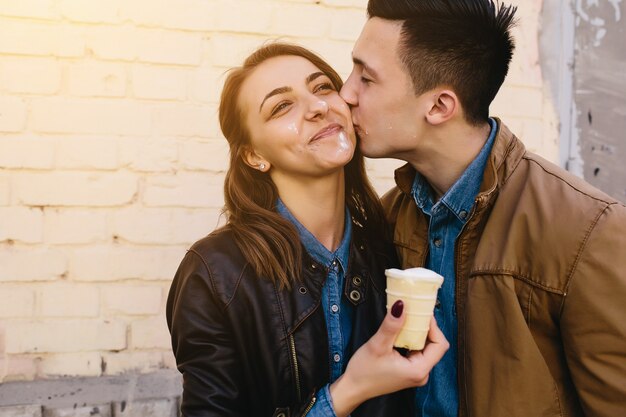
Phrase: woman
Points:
(265, 312)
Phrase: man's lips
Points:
(331, 129)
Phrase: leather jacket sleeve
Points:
(202, 344)
(593, 321)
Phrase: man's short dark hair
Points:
(463, 44)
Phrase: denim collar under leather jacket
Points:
(247, 348)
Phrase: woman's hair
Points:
(269, 242)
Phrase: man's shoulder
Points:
(392, 200)
(560, 186)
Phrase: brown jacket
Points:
(541, 288)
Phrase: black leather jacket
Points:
(247, 348)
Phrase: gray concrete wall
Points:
(132, 395)
(600, 93)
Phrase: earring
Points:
(261, 166)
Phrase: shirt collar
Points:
(459, 199)
(313, 246)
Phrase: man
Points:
(534, 259)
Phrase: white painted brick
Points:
(92, 11)
(118, 43)
(5, 191)
(116, 117)
(101, 410)
(165, 408)
(16, 302)
(116, 363)
(150, 334)
(31, 75)
(212, 155)
(144, 12)
(197, 15)
(230, 50)
(75, 189)
(117, 262)
(153, 82)
(12, 113)
(346, 3)
(64, 336)
(21, 411)
(38, 9)
(337, 53)
(347, 24)
(74, 226)
(69, 300)
(518, 102)
(206, 85)
(169, 47)
(301, 20)
(132, 299)
(250, 17)
(97, 79)
(20, 368)
(70, 365)
(88, 153)
(184, 190)
(28, 264)
(176, 14)
(26, 152)
(148, 154)
(185, 120)
(169, 360)
(163, 226)
(34, 38)
(21, 224)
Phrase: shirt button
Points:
(334, 308)
(437, 242)
(463, 214)
(334, 263)
(336, 357)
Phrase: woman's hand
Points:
(377, 368)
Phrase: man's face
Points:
(385, 110)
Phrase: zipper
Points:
(311, 404)
(294, 360)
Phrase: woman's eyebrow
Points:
(279, 90)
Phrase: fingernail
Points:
(396, 309)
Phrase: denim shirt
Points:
(440, 396)
(338, 311)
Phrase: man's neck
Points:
(447, 153)
(318, 204)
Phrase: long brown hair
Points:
(269, 242)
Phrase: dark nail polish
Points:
(396, 309)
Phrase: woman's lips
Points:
(329, 130)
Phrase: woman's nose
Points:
(318, 108)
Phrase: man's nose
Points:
(348, 94)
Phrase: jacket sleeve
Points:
(202, 344)
(593, 322)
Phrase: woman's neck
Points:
(318, 204)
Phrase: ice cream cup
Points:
(417, 288)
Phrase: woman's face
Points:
(298, 123)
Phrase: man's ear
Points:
(445, 106)
(254, 160)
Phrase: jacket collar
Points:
(506, 153)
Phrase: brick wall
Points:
(112, 163)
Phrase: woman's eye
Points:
(279, 108)
(365, 80)
(324, 86)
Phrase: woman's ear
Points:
(254, 160)
(445, 106)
